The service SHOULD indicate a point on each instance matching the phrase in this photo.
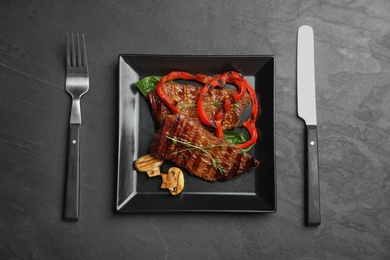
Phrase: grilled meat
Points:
(184, 141)
(186, 97)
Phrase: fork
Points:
(77, 84)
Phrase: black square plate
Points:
(253, 191)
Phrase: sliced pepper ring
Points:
(250, 124)
(242, 84)
(178, 75)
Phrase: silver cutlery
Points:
(77, 84)
(306, 97)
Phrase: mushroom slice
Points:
(154, 172)
(173, 180)
(149, 164)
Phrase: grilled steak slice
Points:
(188, 144)
(186, 96)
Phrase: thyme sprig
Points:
(190, 146)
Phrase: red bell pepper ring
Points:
(250, 124)
(204, 118)
(173, 76)
(243, 86)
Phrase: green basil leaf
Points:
(148, 84)
(236, 138)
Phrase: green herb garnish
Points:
(148, 84)
(234, 137)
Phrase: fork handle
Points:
(72, 190)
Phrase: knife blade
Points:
(306, 99)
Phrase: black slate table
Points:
(353, 100)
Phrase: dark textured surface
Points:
(353, 95)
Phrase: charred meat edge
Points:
(231, 159)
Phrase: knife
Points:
(306, 97)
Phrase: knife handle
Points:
(313, 213)
(72, 190)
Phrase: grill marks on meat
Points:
(186, 130)
(185, 141)
(186, 97)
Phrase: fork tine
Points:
(73, 51)
(78, 51)
(85, 63)
(68, 63)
